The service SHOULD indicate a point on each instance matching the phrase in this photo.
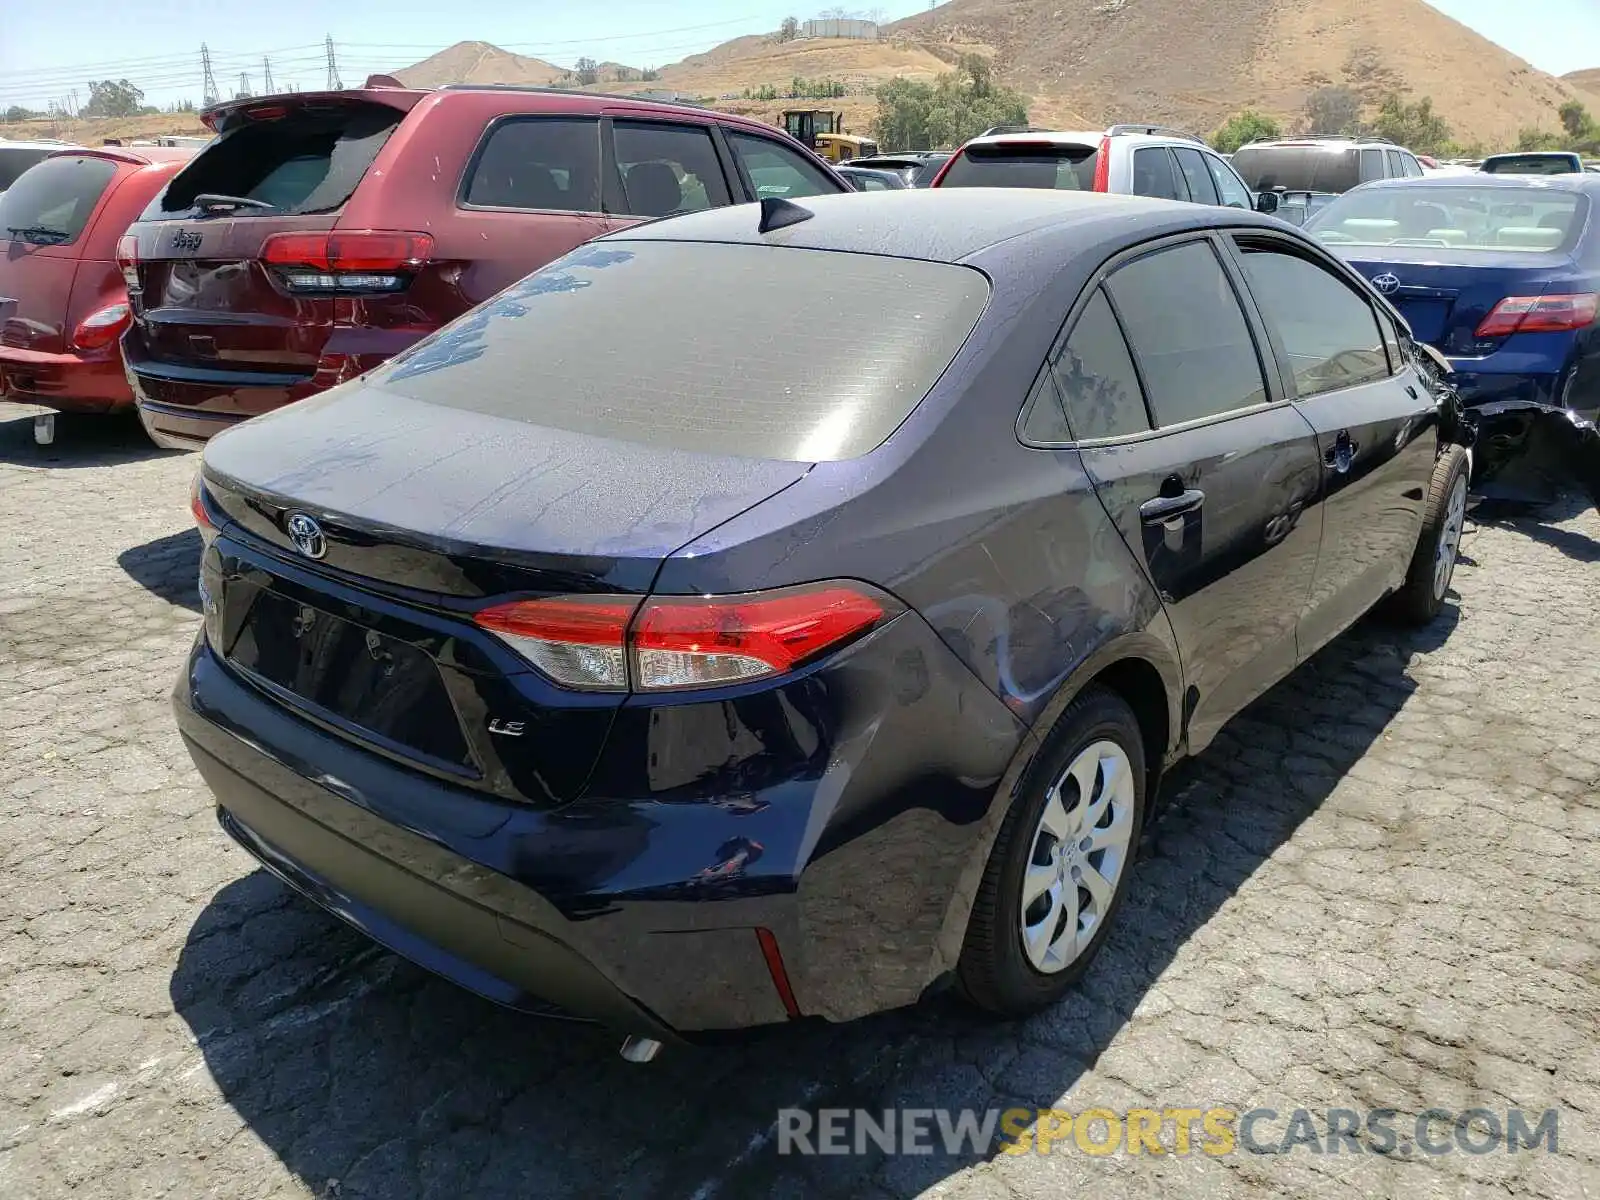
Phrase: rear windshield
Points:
(1458, 217)
(1025, 165)
(51, 205)
(1533, 164)
(767, 352)
(306, 162)
(1298, 168)
(14, 160)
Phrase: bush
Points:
(958, 105)
(1247, 126)
(1415, 126)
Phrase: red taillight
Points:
(1540, 314)
(1102, 167)
(102, 327)
(197, 509)
(610, 643)
(360, 261)
(128, 260)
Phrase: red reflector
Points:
(775, 968)
(1540, 314)
(780, 629)
(1102, 166)
(357, 251)
(101, 328)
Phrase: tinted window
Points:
(302, 163)
(550, 163)
(1060, 168)
(1532, 164)
(1329, 332)
(667, 169)
(14, 160)
(766, 352)
(1202, 189)
(50, 205)
(1371, 165)
(1451, 217)
(1397, 165)
(1413, 167)
(1298, 168)
(872, 183)
(1095, 374)
(1153, 175)
(1188, 334)
(776, 170)
(1234, 194)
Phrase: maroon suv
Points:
(321, 233)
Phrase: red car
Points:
(63, 302)
(321, 233)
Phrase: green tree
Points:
(1244, 127)
(1415, 126)
(113, 98)
(588, 71)
(1331, 110)
(17, 113)
(1539, 139)
(958, 105)
(789, 30)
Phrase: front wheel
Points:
(1433, 564)
(1061, 864)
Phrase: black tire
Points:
(1419, 600)
(994, 972)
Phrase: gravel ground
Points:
(1380, 888)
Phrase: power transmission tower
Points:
(209, 93)
(266, 78)
(335, 84)
(244, 83)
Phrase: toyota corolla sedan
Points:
(619, 649)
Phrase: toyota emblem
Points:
(306, 535)
(1386, 283)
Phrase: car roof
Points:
(951, 225)
(1575, 182)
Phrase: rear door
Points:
(769, 169)
(656, 168)
(1155, 173)
(1213, 481)
(207, 301)
(43, 219)
(1375, 422)
(1202, 187)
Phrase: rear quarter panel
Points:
(98, 282)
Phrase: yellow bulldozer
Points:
(824, 132)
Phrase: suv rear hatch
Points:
(42, 222)
(232, 270)
(520, 455)
(1025, 164)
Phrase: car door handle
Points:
(1163, 508)
(1341, 454)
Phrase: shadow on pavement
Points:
(168, 566)
(352, 1065)
(1539, 523)
(82, 440)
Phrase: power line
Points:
(334, 82)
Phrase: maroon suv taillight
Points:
(358, 262)
(667, 643)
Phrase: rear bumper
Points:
(183, 407)
(637, 913)
(91, 382)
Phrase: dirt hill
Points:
(479, 62)
(1585, 81)
(1194, 62)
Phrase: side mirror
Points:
(1267, 202)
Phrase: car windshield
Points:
(783, 353)
(1024, 165)
(1456, 217)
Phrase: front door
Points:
(1375, 423)
(1214, 485)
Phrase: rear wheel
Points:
(1061, 864)
(1433, 564)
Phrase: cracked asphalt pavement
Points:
(1380, 888)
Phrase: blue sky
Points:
(46, 52)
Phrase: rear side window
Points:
(306, 162)
(1095, 374)
(1329, 333)
(777, 171)
(664, 170)
(543, 163)
(14, 160)
(1397, 165)
(1024, 165)
(767, 352)
(1188, 334)
(49, 206)
(1371, 165)
(1202, 188)
(1413, 167)
(1154, 175)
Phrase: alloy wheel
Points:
(1449, 547)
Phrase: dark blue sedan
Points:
(786, 611)
(1499, 272)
